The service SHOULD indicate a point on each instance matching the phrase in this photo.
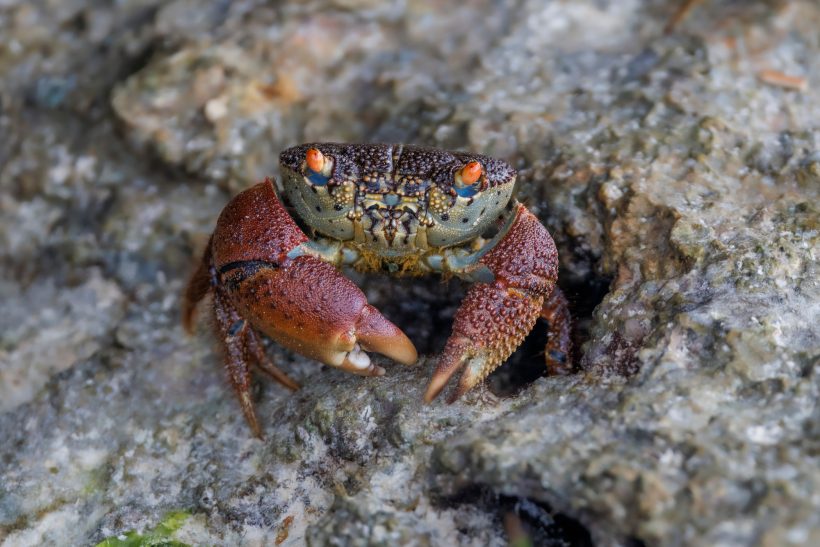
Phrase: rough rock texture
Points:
(680, 183)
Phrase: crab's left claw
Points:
(495, 317)
(376, 333)
(492, 321)
(300, 301)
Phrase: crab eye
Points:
(318, 167)
(467, 178)
(315, 160)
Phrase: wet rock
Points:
(681, 189)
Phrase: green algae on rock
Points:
(161, 534)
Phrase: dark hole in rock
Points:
(584, 296)
(540, 524)
(544, 526)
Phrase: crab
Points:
(401, 209)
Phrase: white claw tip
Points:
(358, 358)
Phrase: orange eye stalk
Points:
(466, 178)
(315, 160)
(471, 172)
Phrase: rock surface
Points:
(680, 182)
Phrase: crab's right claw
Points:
(306, 305)
(494, 318)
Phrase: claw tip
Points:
(434, 388)
(375, 333)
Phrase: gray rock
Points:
(680, 182)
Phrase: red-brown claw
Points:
(375, 333)
(306, 305)
(476, 365)
(451, 359)
(494, 318)
(300, 301)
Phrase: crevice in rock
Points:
(524, 519)
(584, 296)
(544, 526)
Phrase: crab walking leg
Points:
(199, 285)
(231, 330)
(558, 354)
(495, 317)
(255, 347)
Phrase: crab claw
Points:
(306, 305)
(494, 318)
(302, 302)
(372, 332)
(455, 354)
(491, 322)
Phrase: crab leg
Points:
(558, 352)
(255, 347)
(237, 363)
(495, 317)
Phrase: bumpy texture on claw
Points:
(494, 318)
(302, 303)
(305, 305)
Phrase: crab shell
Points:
(395, 200)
